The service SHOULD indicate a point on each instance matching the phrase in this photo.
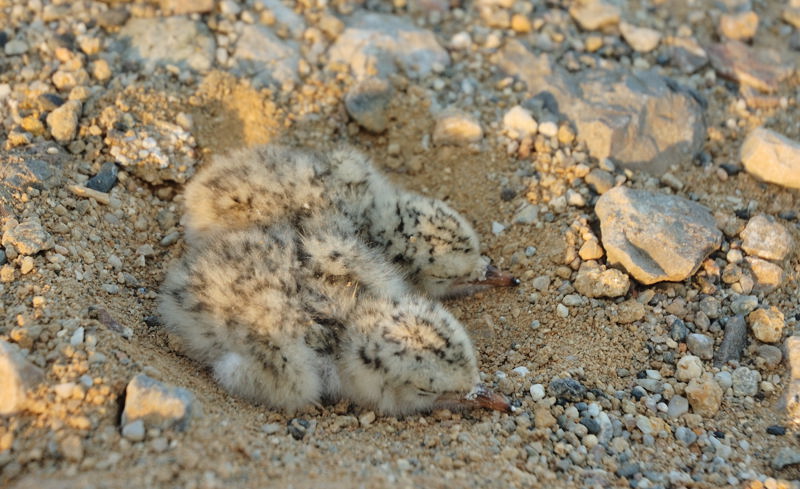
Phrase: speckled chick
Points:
(435, 247)
(288, 319)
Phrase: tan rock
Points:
(766, 238)
(591, 250)
(689, 367)
(596, 281)
(641, 39)
(457, 128)
(704, 395)
(592, 15)
(768, 276)
(767, 324)
(792, 345)
(740, 26)
(542, 417)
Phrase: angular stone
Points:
(771, 355)
(655, 237)
(701, 345)
(786, 456)
(592, 15)
(704, 395)
(740, 26)
(36, 166)
(599, 180)
(457, 128)
(159, 41)
(181, 7)
(270, 60)
(156, 404)
(367, 102)
(734, 341)
(689, 367)
(569, 389)
(28, 237)
(63, 121)
(591, 250)
(766, 238)
(760, 68)
(772, 157)
(628, 312)
(687, 54)
(17, 377)
(519, 123)
(745, 381)
(768, 276)
(767, 324)
(596, 281)
(640, 120)
(641, 39)
(375, 44)
(105, 178)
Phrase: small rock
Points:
(591, 250)
(28, 237)
(548, 129)
(687, 54)
(745, 381)
(772, 157)
(641, 39)
(537, 392)
(298, 428)
(528, 214)
(767, 276)
(792, 347)
(594, 14)
(63, 121)
(568, 389)
(267, 58)
(678, 406)
(599, 180)
(767, 324)
(739, 26)
(134, 431)
(374, 44)
(596, 281)
(766, 238)
(17, 377)
(457, 128)
(704, 395)
(776, 430)
(629, 312)
(761, 68)
(367, 102)
(72, 448)
(678, 330)
(15, 47)
(175, 40)
(744, 304)
(689, 367)
(497, 228)
(685, 435)
(156, 404)
(366, 419)
(656, 237)
(519, 123)
(541, 283)
(181, 7)
(771, 355)
(701, 345)
(733, 342)
(105, 178)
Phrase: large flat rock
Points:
(655, 237)
(772, 157)
(639, 119)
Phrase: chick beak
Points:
(497, 278)
(479, 397)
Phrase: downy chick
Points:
(289, 318)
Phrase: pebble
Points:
(744, 304)
(105, 179)
(19, 376)
(27, 238)
(689, 367)
(548, 129)
(77, 337)
(771, 355)
(704, 395)
(594, 280)
(772, 157)
(497, 228)
(528, 214)
(376, 44)
(786, 456)
(562, 311)
(739, 26)
(298, 428)
(724, 379)
(677, 407)
(734, 340)
(63, 121)
(641, 39)
(269, 60)
(537, 392)
(591, 250)
(158, 405)
(776, 430)
(568, 389)
(541, 283)
(134, 431)
(701, 345)
(599, 180)
(367, 103)
(761, 68)
(519, 123)
(594, 15)
(767, 324)
(745, 381)
(655, 237)
(182, 7)
(455, 127)
(766, 238)
(366, 419)
(678, 331)
(175, 40)
(767, 276)
(685, 435)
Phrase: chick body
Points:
(290, 316)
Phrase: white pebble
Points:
(548, 129)
(562, 311)
(537, 392)
(521, 371)
(77, 337)
(497, 228)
